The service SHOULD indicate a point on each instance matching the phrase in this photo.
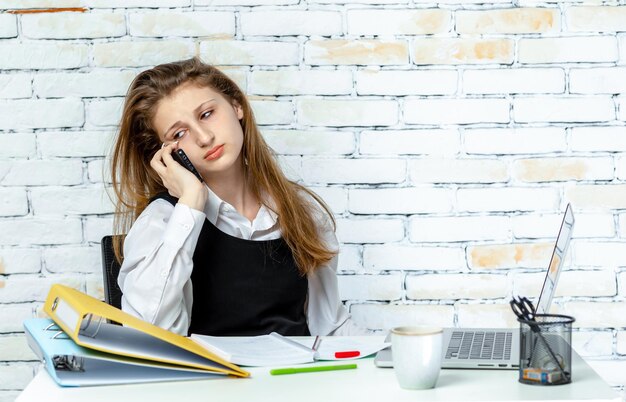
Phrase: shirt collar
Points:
(265, 219)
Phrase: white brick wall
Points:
(447, 138)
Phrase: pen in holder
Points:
(545, 349)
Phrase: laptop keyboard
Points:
(484, 345)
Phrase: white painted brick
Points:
(70, 201)
(605, 80)
(66, 259)
(553, 109)
(14, 347)
(571, 283)
(387, 316)
(169, 23)
(294, 82)
(356, 52)
(596, 196)
(291, 166)
(398, 22)
(42, 172)
(71, 25)
(17, 145)
(355, 2)
(107, 112)
(21, 288)
(514, 140)
(13, 201)
(17, 375)
(271, 112)
(563, 169)
(26, 232)
(98, 171)
(410, 200)
(8, 26)
(141, 53)
(382, 230)
(594, 19)
(621, 342)
(466, 111)
(534, 226)
(438, 286)
(479, 315)
(349, 258)
(464, 50)
(398, 82)
(97, 227)
(622, 225)
(370, 171)
(136, 3)
(600, 254)
(620, 167)
(13, 315)
(19, 261)
(51, 113)
(25, 4)
(611, 371)
(593, 49)
(335, 197)
(608, 139)
(393, 257)
(238, 74)
(14, 86)
(370, 287)
(622, 49)
(593, 343)
(75, 143)
(94, 286)
(95, 83)
(241, 53)
(420, 142)
(514, 81)
(244, 2)
(506, 256)
(507, 199)
(291, 22)
(509, 20)
(448, 170)
(459, 228)
(43, 55)
(339, 113)
(621, 283)
(596, 314)
(621, 107)
(310, 142)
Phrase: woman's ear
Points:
(238, 110)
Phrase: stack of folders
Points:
(82, 345)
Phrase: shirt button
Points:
(186, 226)
(164, 274)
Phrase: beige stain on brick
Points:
(539, 170)
(458, 51)
(2, 283)
(428, 21)
(507, 21)
(506, 256)
(361, 52)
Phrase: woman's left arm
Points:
(325, 313)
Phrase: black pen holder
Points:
(546, 350)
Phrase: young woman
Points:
(246, 251)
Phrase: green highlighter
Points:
(313, 369)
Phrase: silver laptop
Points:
(489, 348)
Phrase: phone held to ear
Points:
(180, 157)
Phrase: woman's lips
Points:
(214, 153)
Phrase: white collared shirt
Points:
(155, 276)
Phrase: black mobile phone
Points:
(181, 157)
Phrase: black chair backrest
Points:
(110, 271)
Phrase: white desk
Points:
(367, 383)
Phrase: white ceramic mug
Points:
(417, 353)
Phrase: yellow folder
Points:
(84, 319)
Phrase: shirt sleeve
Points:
(155, 276)
(326, 313)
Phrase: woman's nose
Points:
(204, 136)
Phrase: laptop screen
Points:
(556, 262)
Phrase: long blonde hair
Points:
(135, 183)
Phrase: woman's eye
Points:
(205, 114)
(179, 134)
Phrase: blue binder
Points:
(71, 365)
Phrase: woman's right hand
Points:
(179, 182)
